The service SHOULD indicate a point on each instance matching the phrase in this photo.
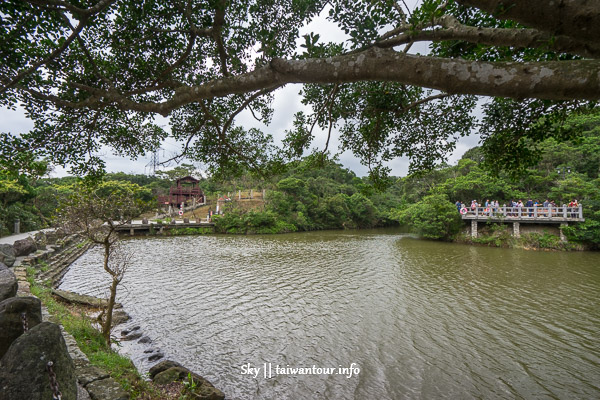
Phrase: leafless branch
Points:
(425, 100)
(224, 140)
(244, 105)
(183, 152)
(327, 103)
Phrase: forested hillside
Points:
(565, 171)
(315, 194)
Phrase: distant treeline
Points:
(315, 194)
(566, 170)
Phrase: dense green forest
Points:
(565, 170)
(315, 194)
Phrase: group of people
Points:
(491, 207)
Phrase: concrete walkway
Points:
(13, 238)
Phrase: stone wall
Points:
(76, 377)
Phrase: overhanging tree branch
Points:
(552, 80)
(579, 19)
(452, 29)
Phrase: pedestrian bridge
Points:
(517, 215)
(145, 226)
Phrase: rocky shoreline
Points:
(28, 340)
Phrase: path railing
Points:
(524, 213)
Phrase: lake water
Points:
(418, 319)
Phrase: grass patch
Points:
(90, 341)
(76, 321)
(43, 266)
(31, 272)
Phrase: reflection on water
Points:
(420, 319)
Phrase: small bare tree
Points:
(116, 264)
(97, 213)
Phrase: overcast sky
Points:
(286, 104)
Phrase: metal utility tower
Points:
(154, 161)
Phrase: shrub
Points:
(434, 217)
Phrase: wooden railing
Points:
(524, 213)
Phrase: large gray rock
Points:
(72, 297)
(106, 389)
(24, 247)
(54, 236)
(40, 240)
(23, 374)
(11, 323)
(168, 371)
(7, 260)
(8, 283)
(88, 373)
(7, 254)
(131, 334)
(120, 317)
(162, 366)
(7, 249)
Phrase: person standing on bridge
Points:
(529, 204)
(574, 206)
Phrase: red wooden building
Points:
(186, 191)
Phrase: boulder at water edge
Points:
(23, 374)
(162, 366)
(168, 371)
(11, 323)
(24, 247)
(8, 283)
(7, 254)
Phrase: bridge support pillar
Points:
(516, 229)
(563, 238)
(131, 232)
(473, 228)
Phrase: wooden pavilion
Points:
(186, 191)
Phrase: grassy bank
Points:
(76, 321)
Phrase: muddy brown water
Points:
(379, 314)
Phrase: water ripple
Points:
(420, 319)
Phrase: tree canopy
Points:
(93, 73)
